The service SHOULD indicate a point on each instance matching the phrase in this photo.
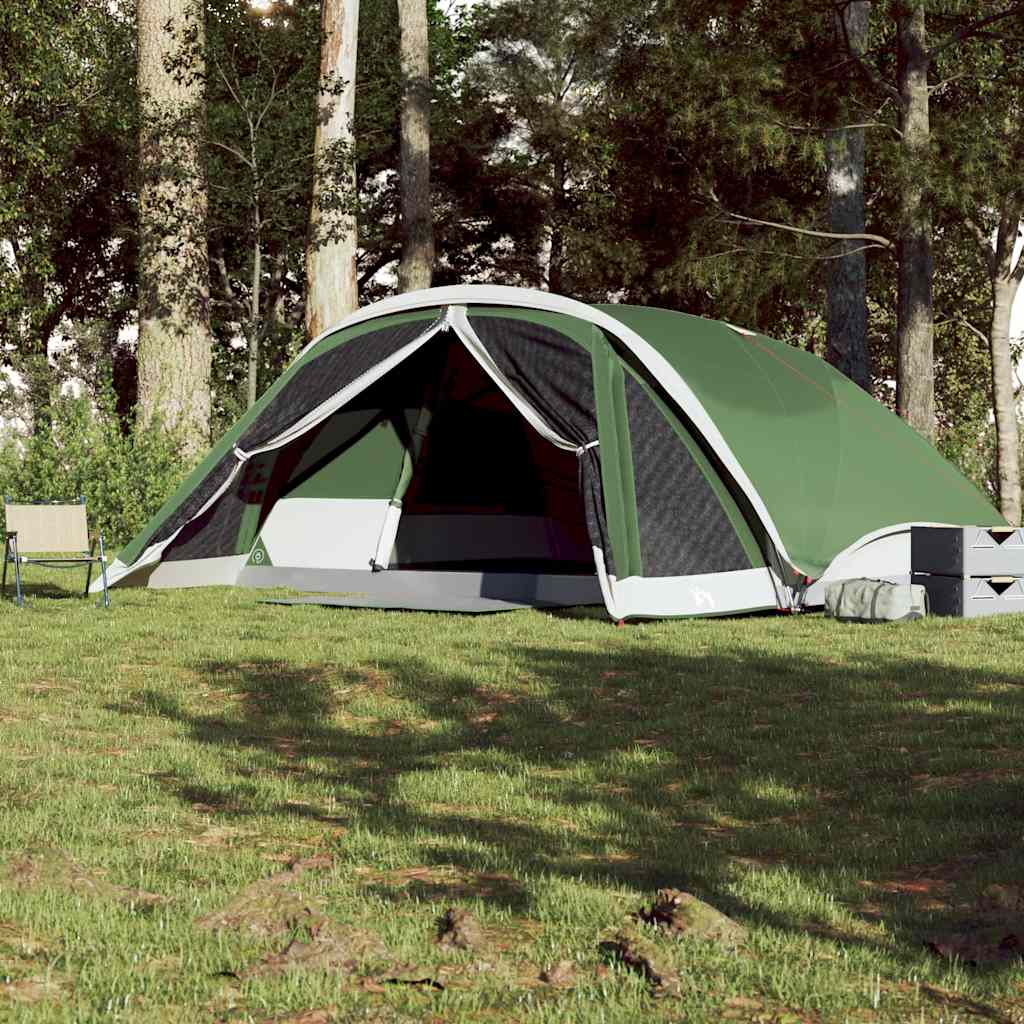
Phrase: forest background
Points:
(845, 176)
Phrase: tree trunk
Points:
(38, 375)
(331, 292)
(1006, 279)
(915, 380)
(847, 347)
(254, 313)
(417, 265)
(556, 253)
(175, 341)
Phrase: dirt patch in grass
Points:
(219, 837)
(20, 942)
(39, 988)
(443, 882)
(926, 782)
(926, 893)
(323, 947)
(560, 975)
(641, 955)
(49, 868)
(682, 915)
(459, 929)
(273, 905)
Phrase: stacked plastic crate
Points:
(969, 570)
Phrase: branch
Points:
(974, 29)
(386, 256)
(880, 240)
(230, 87)
(985, 242)
(788, 255)
(1017, 273)
(870, 74)
(841, 128)
(960, 321)
(232, 300)
(270, 99)
(238, 154)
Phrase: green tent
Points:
(476, 448)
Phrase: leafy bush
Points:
(124, 476)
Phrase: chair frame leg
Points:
(103, 571)
(17, 574)
(88, 567)
(3, 583)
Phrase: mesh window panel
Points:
(554, 374)
(325, 376)
(314, 383)
(213, 533)
(551, 371)
(209, 485)
(683, 528)
(593, 505)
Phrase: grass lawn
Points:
(215, 809)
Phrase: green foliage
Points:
(67, 143)
(124, 475)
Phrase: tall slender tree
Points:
(1006, 272)
(417, 265)
(847, 344)
(331, 289)
(175, 341)
(915, 379)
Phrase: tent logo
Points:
(259, 555)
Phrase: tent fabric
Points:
(708, 543)
(708, 469)
(827, 459)
(216, 469)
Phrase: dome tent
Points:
(479, 447)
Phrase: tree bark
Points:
(175, 341)
(847, 347)
(556, 251)
(331, 292)
(416, 268)
(1006, 279)
(915, 381)
(254, 311)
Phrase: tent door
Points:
(459, 323)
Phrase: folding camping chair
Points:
(47, 530)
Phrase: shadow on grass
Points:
(47, 588)
(885, 783)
